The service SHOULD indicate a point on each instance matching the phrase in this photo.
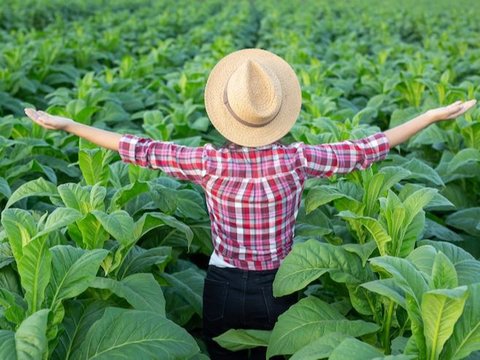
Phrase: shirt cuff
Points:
(379, 147)
(126, 147)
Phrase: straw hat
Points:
(253, 97)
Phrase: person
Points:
(253, 185)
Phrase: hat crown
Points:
(253, 94)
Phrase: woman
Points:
(254, 185)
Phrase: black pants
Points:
(239, 299)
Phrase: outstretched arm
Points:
(103, 138)
(402, 133)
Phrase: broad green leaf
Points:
(139, 260)
(93, 234)
(466, 220)
(454, 253)
(405, 274)
(73, 271)
(320, 348)
(379, 235)
(190, 204)
(308, 320)
(5, 188)
(423, 257)
(59, 218)
(14, 306)
(119, 224)
(134, 334)
(30, 338)
(468, 271)
(416, 202)
(444, 275)
(37, 187)
(94, 165)
(80, 315)
(388, 288)
(440, 311)
(189, 285)
(75, 196)
(438, 231)
(35, 270)
(239, 339)
(20, 227)
(466, 334)
(421, 171)
(321, 195)
(354, 349)
(7, 345)
(126, 193)
(153, 220)
(141, 291)
(310, 260)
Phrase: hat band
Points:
(239, 119)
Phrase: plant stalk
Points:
(386, 330)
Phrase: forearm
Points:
(402, 133)
(103, 138)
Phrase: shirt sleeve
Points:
(343, 157)
(182, 162)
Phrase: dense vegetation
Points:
(100, 259)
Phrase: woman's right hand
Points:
(48, 121)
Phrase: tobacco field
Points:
(104, 260)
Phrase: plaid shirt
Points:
(253, 194)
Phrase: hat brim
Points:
(231, 128)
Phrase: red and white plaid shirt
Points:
(253, 194)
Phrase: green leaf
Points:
(73, 271)
(440, 311)
(94, 165)
(37, 187)
(92, 232)
(320, 348)
(75, 196)
(373, 226)
(466, 220)
(126, 193)
(422, 257)
(140, 260)
(239, 339)
(159, 337)
(322, 195)
(308, 320)
(421, 171)
(388, 288)
(466, 334)
(30, 338)
(35, 270)
(141, 291)
(119, 224)
(7, 345)
(354, 349)
(310, 260)
(20, 227)
(405, 274)
(190, 204)
(189, 285)
(59, 218)
(454, 253)
(80, 315)
(153, 220)
(444, 275)
(14, 306)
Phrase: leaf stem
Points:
(387, 324)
